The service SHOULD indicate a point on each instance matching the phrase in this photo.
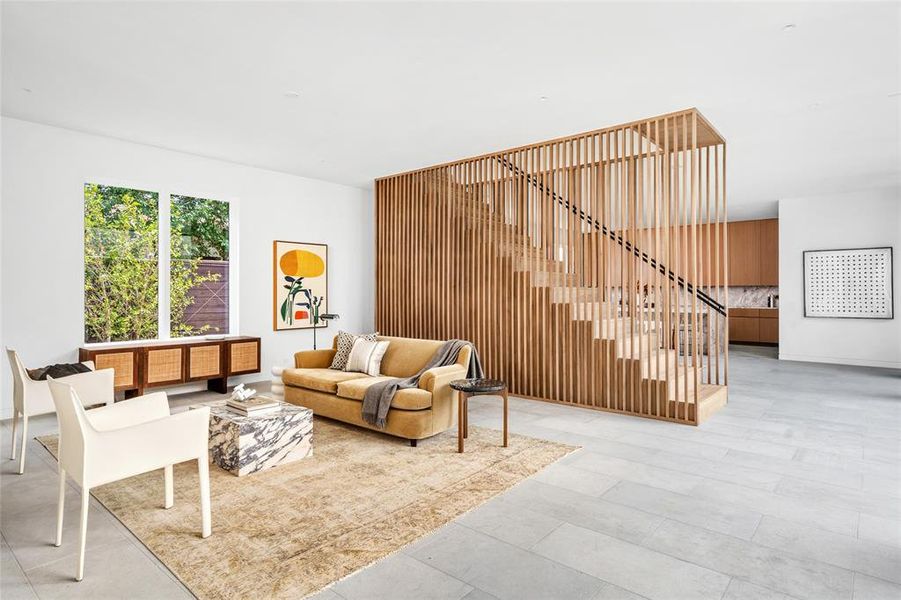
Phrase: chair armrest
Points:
(314, 359)
(438, 377)
(94, 387)
(142, 409)
(118, 453)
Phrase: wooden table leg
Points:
(466, 417)
(460, 422)
(505, 417)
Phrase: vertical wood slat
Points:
(530, 253)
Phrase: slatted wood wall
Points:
(588, 269)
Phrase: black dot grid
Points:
(848, 283)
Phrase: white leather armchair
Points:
(32, 397)
(125, 439)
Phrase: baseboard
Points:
(838, 360)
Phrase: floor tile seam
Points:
(620, 479)
(846, 568)
(858, 510)
(880, 579)
(730, 481)
(431, 566)
(149, 556)
(766, 587)
(68, 556)
(651, 533)
(724, 447)
(677, 520)
(19, 565)
(702, 477)
(544, 537)
(792, 520)
(530, 549)
(784, 554)
(557, 562)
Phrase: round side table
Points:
(466, 388)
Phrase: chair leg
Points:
(83, 536)
(170, 494)
(12, 454)
(203, 470)
(60, 507)
(24, 444)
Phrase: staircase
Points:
(657, 382)
(519, 255)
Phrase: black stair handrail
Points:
(618, 238)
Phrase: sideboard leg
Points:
(219, 385)
(413, 443)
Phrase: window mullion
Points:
(165, 260)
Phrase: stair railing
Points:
(616, 237)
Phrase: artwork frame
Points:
(299, 285)
(821, 300)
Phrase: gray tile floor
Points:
(792, 491)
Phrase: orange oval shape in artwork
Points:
(301, 263)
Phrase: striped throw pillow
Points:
(366, 357)
(345, 344)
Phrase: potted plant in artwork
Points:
(301, 284)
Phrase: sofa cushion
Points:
(410, 399)
(405, 356)
(322, 380)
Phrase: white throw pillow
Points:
(344, 346)
(366, 357)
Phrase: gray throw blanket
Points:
(57, 371)
(379, 395)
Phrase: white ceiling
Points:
(390, 87)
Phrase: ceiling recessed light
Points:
(292, 94)
(788, 27)
(28, 90)
(543, 98)
(814, 105)
(894, 94)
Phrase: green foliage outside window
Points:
(199, 230)
(121, 258)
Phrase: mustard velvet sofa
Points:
(415, 413)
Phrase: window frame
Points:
(164, 213)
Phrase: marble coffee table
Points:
(243, 445)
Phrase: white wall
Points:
(856, 220)
(43, 172)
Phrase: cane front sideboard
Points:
(142, 365)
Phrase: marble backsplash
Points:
(750, 296)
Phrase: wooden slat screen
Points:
(587, 270)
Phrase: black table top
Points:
(483, 386)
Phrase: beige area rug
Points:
(290, 531)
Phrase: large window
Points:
(128, 234)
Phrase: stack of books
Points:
(258, 405)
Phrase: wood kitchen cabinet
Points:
(754, 252)
(769, 325)
(754, 325)
(744, 253)
(768, 235)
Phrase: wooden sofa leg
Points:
(413, 443)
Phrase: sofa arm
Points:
(314, 359)
(438, 377)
